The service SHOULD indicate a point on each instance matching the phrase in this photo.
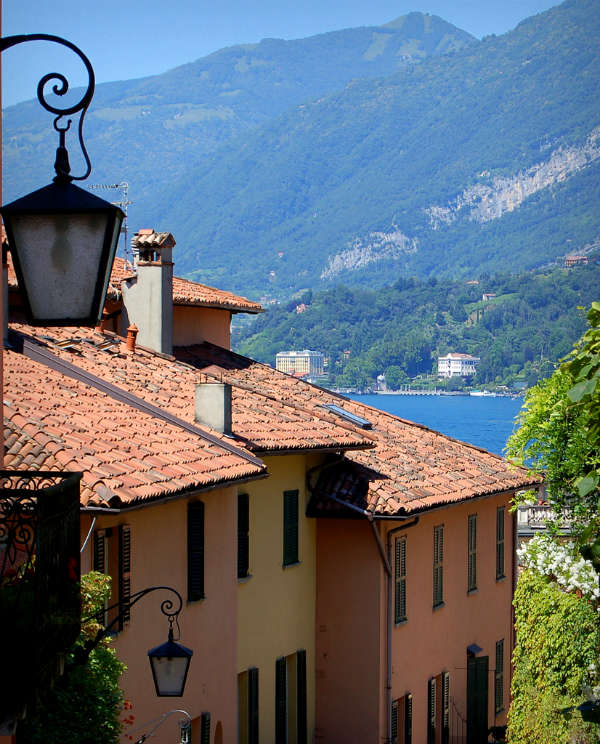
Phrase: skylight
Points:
(351, 417)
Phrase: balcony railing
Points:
(39, 580)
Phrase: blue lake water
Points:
(485, 422)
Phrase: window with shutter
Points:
(253, 706)
(472, 553)
(431, 711)
(243, 545)
(446, 708)
(99, 561)
(124, 574)
(438, 565)
(394, 722)
(195, 529)
(500, 542)
(281, 701)
(290, 527)
(499, 677)
(205, 728)
(400, 580)
(301, 696)
(408, 717)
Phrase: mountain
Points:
(473, 161)
(155, 132)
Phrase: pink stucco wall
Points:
(351, 622)
(208, 626)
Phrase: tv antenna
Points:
(124, 202)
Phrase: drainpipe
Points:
(390, 618)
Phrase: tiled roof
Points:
(185, 292)
(56, 422)
(409, 468)
(397, 467)
(260, 422)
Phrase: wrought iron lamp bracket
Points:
(60, 88)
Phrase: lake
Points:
(485, 422)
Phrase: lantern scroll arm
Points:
(60, 88)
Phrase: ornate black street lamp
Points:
(170, 661)
(62, 239)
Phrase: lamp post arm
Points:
(167, 607)
(183, 724)
(60, 88)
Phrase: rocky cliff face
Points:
(372, 247)
(494, 196)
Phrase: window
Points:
(195, 534)
(243, 549)
(290, 699)
(446, 708)
(402, 720)
(438, 565)
(248, 706)
(431, 711)
(290, 527)
(205, 728)
(500, 542)
(472, 553)
(400, 580)
(499, 677)
(108, 553)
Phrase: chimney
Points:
(212, 405)
(148, 295)
(132, 333)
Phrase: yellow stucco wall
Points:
(193, 325)
(276, 604)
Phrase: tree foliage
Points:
(556, 651)
(84, 705)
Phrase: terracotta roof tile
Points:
(89, 417)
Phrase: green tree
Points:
(85, 704)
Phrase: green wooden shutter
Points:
(301, 693)
(394, 726)
(124, 574)
(281, 701)
(431, 711)
(99, 561)
(408, 719)
(243, 556)
(290, 527)
(253, 706)
(472, 553)
(445, 708)
(205, 728)
(438, 565)
(499, 677)
(400, 580)
(195, 550)
(500, 542)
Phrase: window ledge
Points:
(291, 565)
(195, 601)
(472, 591)
(500, 578)
(244, 579)
(401, 623)
(438, 606)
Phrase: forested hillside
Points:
(519, 334)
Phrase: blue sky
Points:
(133, 38)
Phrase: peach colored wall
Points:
(208, 626)
(276, 604)
(193, 325)
(351, 608)
(432, 641)
(349, 636)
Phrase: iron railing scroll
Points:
(40, 606)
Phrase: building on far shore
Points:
(457, 365)
(300, 362)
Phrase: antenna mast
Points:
(123, 203)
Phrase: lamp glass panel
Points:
(60, 256)
(170, 674)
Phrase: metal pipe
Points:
(89, 534)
